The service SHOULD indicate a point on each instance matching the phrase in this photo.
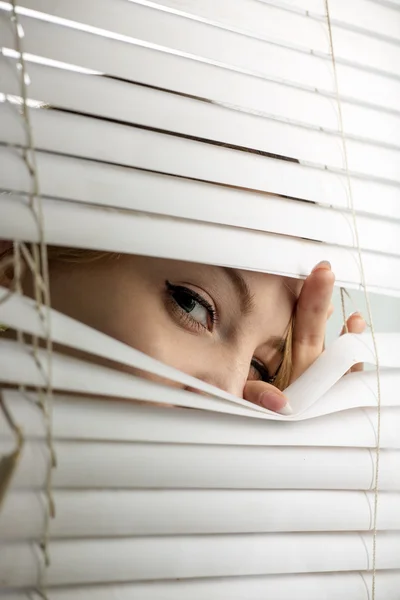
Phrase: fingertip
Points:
(286, 410)
(328, 275)
(322, 274)
(272, 400)
(356, 323)
(323, 264)
(265, 395)
(357, 368)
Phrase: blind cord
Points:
(343, 303)
(368, 305)
(36, 260)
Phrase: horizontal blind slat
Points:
(252, 19)
(157, 194)
(53, 132)
(314, 586)
(359, 14)
(97, 95)
(187, 34)
(156, 109)
(177, 154)
(80, 418)
(82, 180)
(138, 465)
(28, 366)
(189, 74)
(366, 51)
(198, 556)
(105, 513)
(233, 91)
(223, 48)
(194, 241)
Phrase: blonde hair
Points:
(284, 372)
(76, 255)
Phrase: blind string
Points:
(367, 301)
(343, 304)
(9, 462)
(36, 260)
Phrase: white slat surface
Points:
(53, 132)
(112, 185)
(92, 94)
(194, 241)
(251, 18)
(133, 59)
(158, 194)
(358, 14)
(314, 586)
(165, 557)
(80, 418)
(146, 23)
(223, 48)
(83, 465)
(156, 109)
(114, 513)
(299, 144)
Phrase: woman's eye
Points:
(259, 372)
(195, 306)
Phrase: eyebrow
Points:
(275, 342)
(246, 297)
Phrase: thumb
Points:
(268, 396)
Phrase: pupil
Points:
(185, 301)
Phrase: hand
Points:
(313, 309)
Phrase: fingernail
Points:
(273, 401)
(286, 410)
(324, 264)
(356, 314)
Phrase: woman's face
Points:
(223, 326)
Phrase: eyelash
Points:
(264, 373)
(212, 313)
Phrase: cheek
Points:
(145, 324)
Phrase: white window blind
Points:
(224, 133)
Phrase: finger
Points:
(330, 310)
(267, 396)
(312, 310)
(355, 324)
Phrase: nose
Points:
(230, 376)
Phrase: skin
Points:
(128, 298)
